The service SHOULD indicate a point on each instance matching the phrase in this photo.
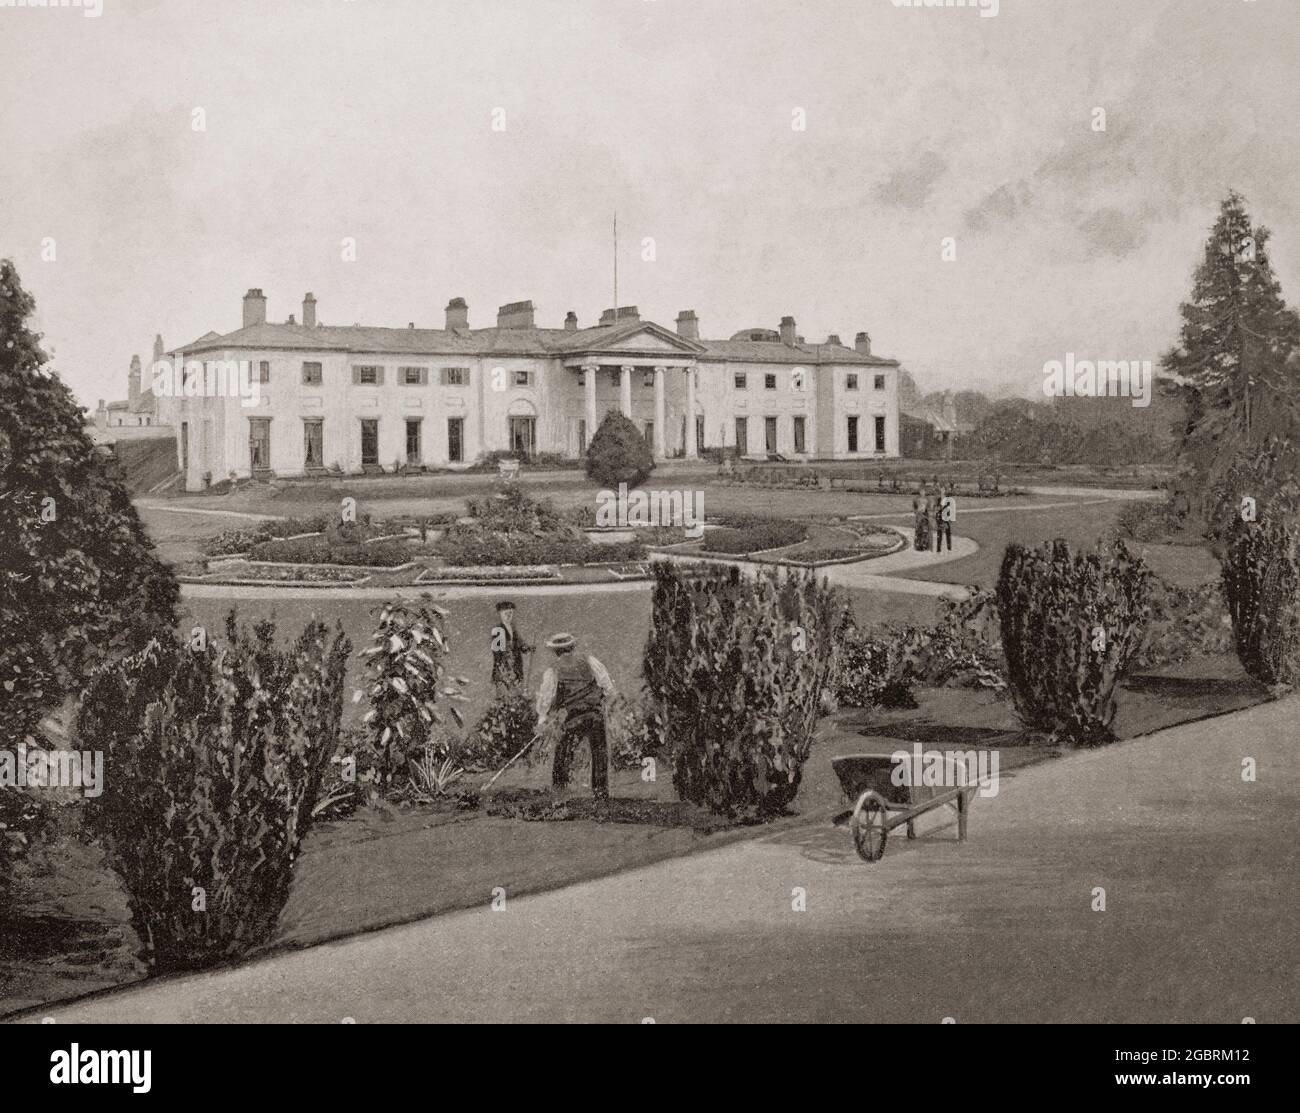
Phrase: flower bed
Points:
(515, 574)
(244, 572)
(756, 536)
(477, 549)
(323, 550)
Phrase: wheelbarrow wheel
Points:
(868, 827)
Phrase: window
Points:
(742, 435)
(851, 383)
(259, 443)
(880, 434)
(799, 443)
(367, 375)
(523, 436)
(648, 377)
(264, 371)
(369, 442)
(649, 434)
(455, 438)
(413, 438)
(455, 376)
(742, 381)
(311, 374)
(523, 378)
(313, 433)
(413, 376)
(769, 382)
(880, 382)
(853, 434)
(769, 434)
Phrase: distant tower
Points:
(158, 352)
(133, 385)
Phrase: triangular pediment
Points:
(642, 336)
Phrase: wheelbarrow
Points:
(883, 801)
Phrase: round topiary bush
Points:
(618, 453)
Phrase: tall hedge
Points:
(734, 670)
(82, 584)
(214, 759)
(1072, 623)
(1261, 583)
(618, 453)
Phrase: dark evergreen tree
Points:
(80, 581)
(1235, 361)
(618, 453)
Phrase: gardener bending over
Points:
(578, 686)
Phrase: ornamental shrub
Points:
(503, 729)
(1261, 583)
(214, 759)
(1072, 624)
(735, 669)
(618, 453)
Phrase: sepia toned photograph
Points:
(650, 512)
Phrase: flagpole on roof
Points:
(616, 263)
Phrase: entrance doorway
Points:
(313, 435)
(369, 442)
(769, 434)
(259, 443)
(413, 453)
(523, 436)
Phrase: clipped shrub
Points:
(618, 453)
(1261, 583)
(503, 729)
(1072, 624)
(214, 760)
(735, 669)
(406, 677)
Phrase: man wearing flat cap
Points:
(578, 686)
(508, 649)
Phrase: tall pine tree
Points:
(79, 580)
(1236, 359)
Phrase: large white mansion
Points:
(367, 399)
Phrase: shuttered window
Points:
(368, 375)
(413, 376)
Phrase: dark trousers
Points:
(942, 531)
(591, 731)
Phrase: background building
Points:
(361, 399)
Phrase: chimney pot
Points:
(862, 343)
(254, 307)
(518, 314)
(788, 335)
(457, 314)
(309, 310)
(688, 325)
(291, 320)
(571, 321)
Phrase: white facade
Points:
(370, 399)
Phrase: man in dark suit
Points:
(508, 649)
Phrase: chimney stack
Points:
(309, 310)
(518, 314)
(457, 314)
(834, 339)
(133, 383)
(254, 308)
(862, 343)
(291, 320)
(158, 351)
(571, 322)
(788, 336)
(688, 325)
(607, 317)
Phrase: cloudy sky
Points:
(373, 119)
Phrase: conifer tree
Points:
(79, 580)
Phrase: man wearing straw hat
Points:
(578, 686)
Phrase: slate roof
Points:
(541, 342)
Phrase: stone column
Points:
(661, 415)
(691, 452)
(589, 372)
(625, 391)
